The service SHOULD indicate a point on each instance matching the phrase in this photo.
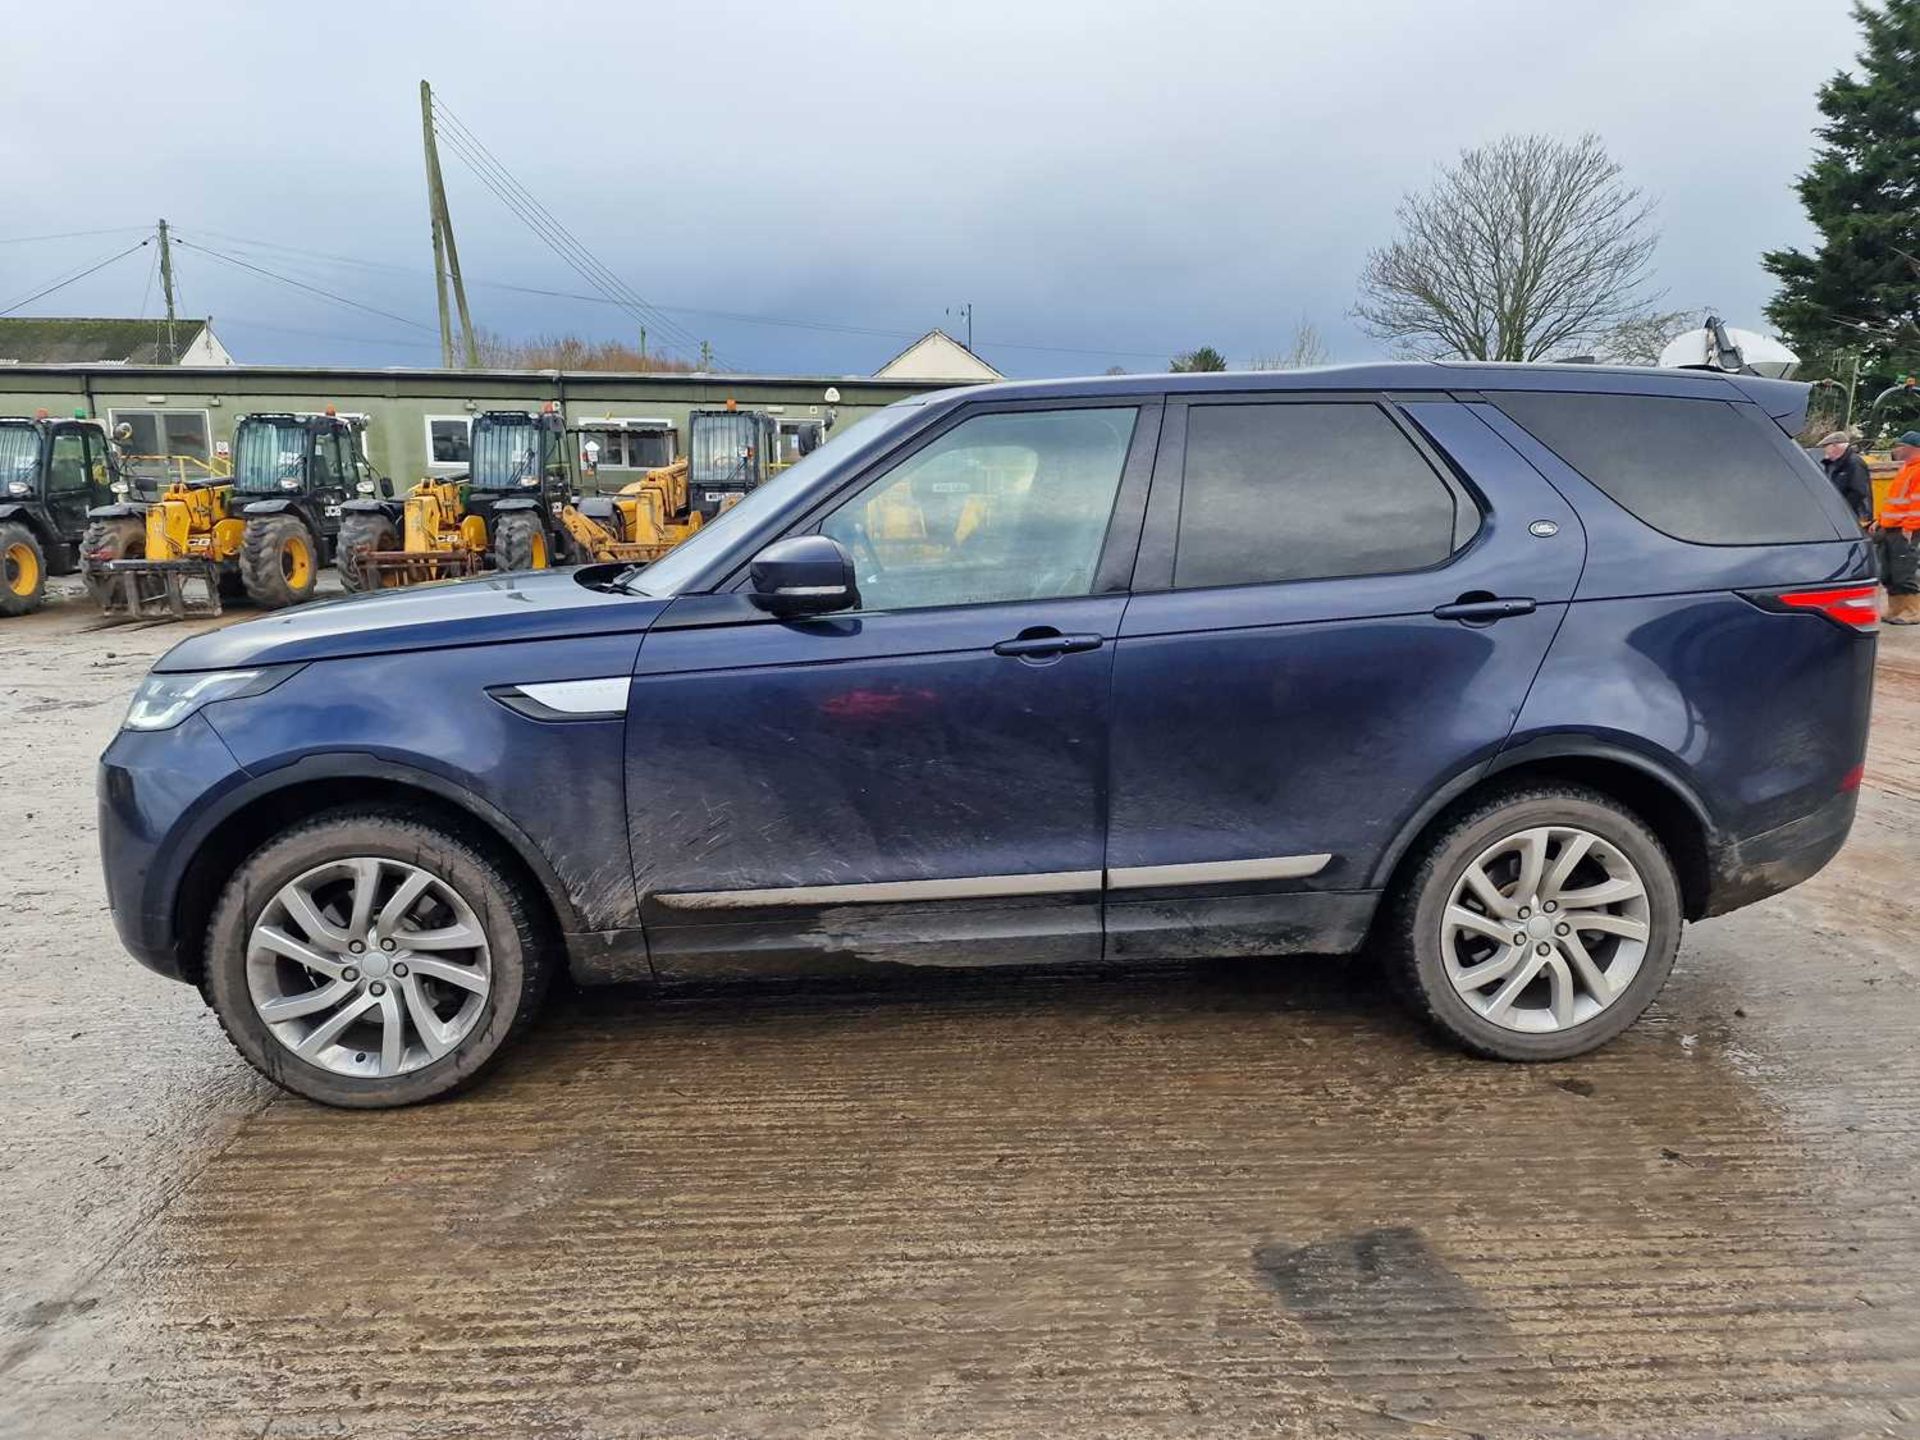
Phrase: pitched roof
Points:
(80, 340)
(936, 355)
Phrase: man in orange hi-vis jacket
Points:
(1898, 526)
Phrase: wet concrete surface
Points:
(1224, 1199)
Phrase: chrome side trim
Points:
(566, 699)
(1217, 872)
(882, 892)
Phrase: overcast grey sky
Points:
(1119, 180)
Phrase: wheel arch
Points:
(255, 814)
(35, 522)
(1668, 805)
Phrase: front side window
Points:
(1278, 492)
(1001, 507)
(67, 463)
(181, 433)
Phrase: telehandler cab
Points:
(52, 472)
(500, 515)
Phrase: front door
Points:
(70, 488)
(1335, 622)
(921, 780)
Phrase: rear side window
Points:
(1698, 470)
(1305, 492)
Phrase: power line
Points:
(72, 234)
(783, 322)
(71, 279)
(298, 284)
(492, 172)
(610, 279)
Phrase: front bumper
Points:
(158, 792)
(1744, 871)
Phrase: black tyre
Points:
(1537, 925)
(23, 570)
(124, 537)
(279, 563)
(360, 533)
(520, 542)
(368, 960)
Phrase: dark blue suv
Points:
(1509, 670)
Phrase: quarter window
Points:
(1001, 507)
(1698, 470)
(1306, 492)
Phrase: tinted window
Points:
(1001, 507)
(1699, 470)
(1305, 492)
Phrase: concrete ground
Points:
(1231, 1199)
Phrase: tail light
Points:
(1857, 607)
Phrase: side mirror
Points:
(803, 575)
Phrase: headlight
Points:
(529, 479)
(365, 487)
(121, 487)
(163, 701)
(289, 483)
(19, 487)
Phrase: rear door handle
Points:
(1485, 609)
(1029, 645)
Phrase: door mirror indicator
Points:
(803, 575)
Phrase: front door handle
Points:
(1485, 609)
(1039, 644)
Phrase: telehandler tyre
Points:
(122, 538)
(23, 571)
(279, 564)
(520, 542)
(358, 535)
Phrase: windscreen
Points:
(19, 455)
(267, 453)
(506, 455)
(720, 449)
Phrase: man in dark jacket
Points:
(1848, 471)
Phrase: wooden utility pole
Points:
(166, 288)
(446, 255)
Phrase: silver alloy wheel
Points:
(368, 966)
(1545, 929)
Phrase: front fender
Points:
(255, 508)
(516, 502)
(117, 512)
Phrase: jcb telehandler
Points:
(263, 532)
(501, 515)
(730, 453)
(52, 472)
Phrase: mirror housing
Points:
(803, 575)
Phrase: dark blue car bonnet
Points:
(495, 609)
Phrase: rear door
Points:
(921, 780)
(1340, 604)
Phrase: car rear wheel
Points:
(1537, 925)
(372, 961)
(23, 571)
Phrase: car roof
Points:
(1779, 398)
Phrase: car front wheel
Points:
(369, 960)
(1537, 925)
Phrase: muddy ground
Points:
(1227, 1199)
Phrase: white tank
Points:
(1697, 350)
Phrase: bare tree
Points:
(1640, 340)
(568, 352)
(1306, 348)
(1528, 248)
